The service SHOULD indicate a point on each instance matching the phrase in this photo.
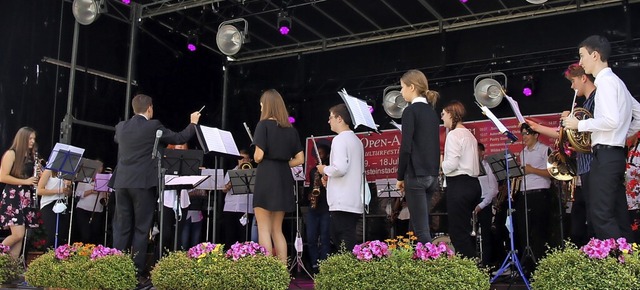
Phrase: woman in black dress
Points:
(278, 148)
(16, 171)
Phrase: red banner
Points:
(381, 150)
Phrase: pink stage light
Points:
(292, 120)
(191, 47)
(527, 91)
(126, 2)
(284, 30)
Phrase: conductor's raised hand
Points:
(195, 117)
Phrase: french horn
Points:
(560, 164)
(580, 141)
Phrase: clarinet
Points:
(36, 168)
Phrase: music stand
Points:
(243, 182)
(102, 185)
(222, 144)
(215, 183)
(502, 167)
(64, 160)
(87, 172)
(186, 165)
(182, 162)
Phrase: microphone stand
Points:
(161, 172)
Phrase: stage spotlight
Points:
(528, 87)
(489, 92)
(126, 2)
(292, 119)
(284, 22)
(192, 41)
(229, 38)
(87, 11)
(463, 1)
(536, 1)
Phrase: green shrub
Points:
(395, 267)
(570, 268)
(209, 269)
(10, 269)
(79, 271)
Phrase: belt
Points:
(534, 190)
(601, 147)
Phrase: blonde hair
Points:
(419, 81)
(273, 107)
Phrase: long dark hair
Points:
(20, 146)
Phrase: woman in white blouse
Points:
(54, 190)
(461, 168)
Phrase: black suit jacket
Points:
(135, 138)
(420, 147)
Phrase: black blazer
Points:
(420, 147)
(135, 138)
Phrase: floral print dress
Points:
(16, 205)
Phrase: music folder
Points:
(183, 182)
(217, 141)
(102, 182)
(210, 183)
(359, 111)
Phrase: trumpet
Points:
(474, 224)
(246, 165)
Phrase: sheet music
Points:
(359, 111)
(493, 119)
(298, 173)
(218, 140)
(170, 180)
(515, 108)
(387, 187)
(102, 181)
(209, 184)
(60, 147)
(394, 124)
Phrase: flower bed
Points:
(205, 266)
(601, 264)
(82, 266)
(399, 263)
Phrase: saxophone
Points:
(315, 193)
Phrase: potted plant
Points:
(82, 266)
(601, 264)
(400, 263)
(205, 266)
(10, 269)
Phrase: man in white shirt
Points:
(484, 210)
(616, 116)
(345, 178)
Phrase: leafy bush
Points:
(82, 267)
(398, 265)
(599, 265)
(9, 267)
(245, 266)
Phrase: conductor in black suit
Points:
(136, 178)
(419, 151)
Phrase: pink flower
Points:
(370, 250)
(246, 249)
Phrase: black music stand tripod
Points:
(501, 168)
(298, 244)
(243, 182)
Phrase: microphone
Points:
(155, 144)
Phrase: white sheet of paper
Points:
(209, 184)
(493, 119)
(219, 140)
(359, 111)
(515, 108)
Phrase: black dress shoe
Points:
(144, 284)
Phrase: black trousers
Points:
(234, 231)
(581, 229)
(485, 219)
(343, 229)
(50, 220)
(89, 226)
(607, 199)
(169, 227)
(463, 194)
(538, 210)
(132, 223)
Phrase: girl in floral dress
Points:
(16, 171)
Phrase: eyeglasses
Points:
(526, 133)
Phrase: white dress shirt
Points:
(88, 202)
(170, 198)
(614, 107)
(489, 185)
(52, 183)
(537, 158)
(460, 154)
